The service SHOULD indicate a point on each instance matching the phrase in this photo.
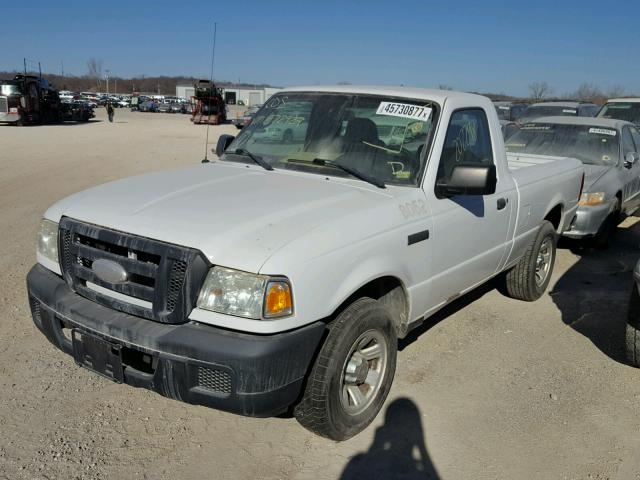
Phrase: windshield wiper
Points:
(246, 153)
(354, 173)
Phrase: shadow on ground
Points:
(398, 450)
(467, 299)
(75, 124)
(593, 295)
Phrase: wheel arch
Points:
(554, 216)
(389, 290)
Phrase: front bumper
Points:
(588, 221)
(9, 117)
(255, 375)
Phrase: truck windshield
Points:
(629, 111)
(590, 145)
(9, 89)
(380, 137)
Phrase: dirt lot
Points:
(492, 388)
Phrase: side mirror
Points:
(630, 159)
(469, 179)
(223, 143)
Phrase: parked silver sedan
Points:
(609, 151)
(558, 109)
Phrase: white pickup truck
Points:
(280, 276)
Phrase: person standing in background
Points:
(110, 111)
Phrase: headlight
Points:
(48, 240)
(591, 199)
(245, 294)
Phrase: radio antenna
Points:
(213, 58)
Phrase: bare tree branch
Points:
(540, 90)
(95, 70)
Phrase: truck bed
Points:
(542, 181)
(517, 161)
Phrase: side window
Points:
(468, 141)
(627, 142)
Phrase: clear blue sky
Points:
(488, 46)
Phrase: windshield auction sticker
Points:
(603, 131)
(404, 110)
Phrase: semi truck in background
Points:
(32, 100)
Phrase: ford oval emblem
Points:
(109, 271)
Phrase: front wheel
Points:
(529, 278)
(352, 374)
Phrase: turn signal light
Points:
(591, 199)
(277, 299)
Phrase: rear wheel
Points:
(353, 373)
(529, 278)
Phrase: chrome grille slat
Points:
(132, 266)
(4, 107)
(128, 288)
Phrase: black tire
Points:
(633, 329)
(322, 409)
(522, 281)
(603, 238)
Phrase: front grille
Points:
(214, 380)
(162, 280)
(176, 279)
(4, 108)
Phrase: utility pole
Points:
(107, 78)
(62, 68)
(115, 85)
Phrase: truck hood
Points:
(237, 215)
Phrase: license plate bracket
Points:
(98, 355)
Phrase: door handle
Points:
(502, 203)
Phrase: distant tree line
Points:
(586, 92)
(95, 80)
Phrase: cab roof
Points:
(438, 96)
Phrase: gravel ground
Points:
(491, 388)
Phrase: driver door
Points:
(470, 232)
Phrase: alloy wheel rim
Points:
(363, 372)
(543, 261)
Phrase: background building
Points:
(232, 93)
